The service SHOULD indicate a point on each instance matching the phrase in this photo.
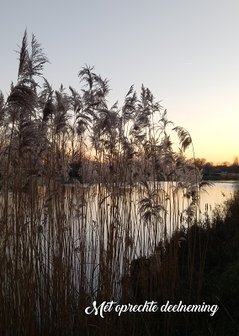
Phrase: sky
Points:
(185, 51)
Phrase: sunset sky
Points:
(186, 52)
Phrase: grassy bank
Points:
(203, 266)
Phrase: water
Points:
(217, 194)
(97, 231)
(108, 217)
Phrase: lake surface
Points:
(111, 218)
(217, 194)
(96, 231)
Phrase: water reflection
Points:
(217, 194)
(96, 231)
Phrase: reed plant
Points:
(85, 190)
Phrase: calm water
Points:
(217, 194)
(123, 219)
(102, 230)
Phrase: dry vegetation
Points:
(83, 193)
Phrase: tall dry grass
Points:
(85, 190)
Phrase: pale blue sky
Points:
(186, 52)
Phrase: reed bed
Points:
(85, 190)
